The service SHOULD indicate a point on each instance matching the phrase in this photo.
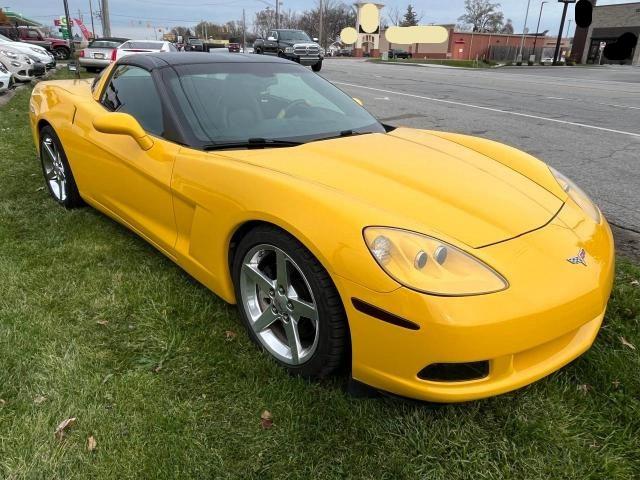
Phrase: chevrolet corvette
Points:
(433, 265)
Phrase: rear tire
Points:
(316, 67)
(56, 170)
(302, 303)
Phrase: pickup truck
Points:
(57, 46)
(293, 45)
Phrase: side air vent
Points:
(454, 372)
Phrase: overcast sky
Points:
(130, 17)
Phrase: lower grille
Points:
(454, 372)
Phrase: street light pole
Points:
(277, 14)
(93, 28)
(535, 40)
(568, 28)
(321, 22)
(524, 29)
(564, 15)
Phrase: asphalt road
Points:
(585, 122)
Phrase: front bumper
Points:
(549, 315)
(306, 61)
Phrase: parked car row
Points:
(58, 47)
(102, 51)
(22, 62)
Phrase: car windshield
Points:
(236, 102)
(293, 35)
(105, 44)
(195, 41)
(143, 45)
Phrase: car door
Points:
(130, 182)
(271, 46)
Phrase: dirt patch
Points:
(627, 243)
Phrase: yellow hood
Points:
(445, 186)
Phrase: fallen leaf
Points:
(63, 426)
(635, 283)
(91, 443)
(103, 322)
(2, 402)
(266, 420)
(106, 378)
(616, 383)
(584, 388)
(39, 399)
(627, 343)
(158, 368)
(229, 335)
(39, 189)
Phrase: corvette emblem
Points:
(579, 258)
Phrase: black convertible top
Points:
(150, 61)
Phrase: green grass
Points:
(448, 63)
(198, 415)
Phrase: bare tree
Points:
(394, 16)
(482, 16)
(507, 27)
(265, 21)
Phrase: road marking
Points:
(556, 98)
(381, 98)
(497, 110)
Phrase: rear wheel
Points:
(289, 304)
(56, 170)
(316, 66)
(61, 53)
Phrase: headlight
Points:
(288, 49)
(9, 54)
(430, 265)
(577, 195)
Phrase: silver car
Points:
(19, 64)
(99, 53)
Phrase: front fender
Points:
(215, 195)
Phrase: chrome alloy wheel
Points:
(279, 304)
(54, 171)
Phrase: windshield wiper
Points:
(257, 142)
(343, 133)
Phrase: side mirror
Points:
(123, 124)
(358, 101)
(271, 39)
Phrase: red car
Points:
(234, 47)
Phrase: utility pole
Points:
(93, 28)
(244, 33)
(321, 22)
(524, 30)
(535, 40)
(71, 44)
(564, 15)
(106, 22)
(277, 14)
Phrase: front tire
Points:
(258, 51)
(316, 67)
(56, 170)
(289, 304)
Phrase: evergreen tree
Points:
(410, 18)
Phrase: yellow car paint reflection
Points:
(489, 201)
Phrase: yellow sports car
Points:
(439, 266)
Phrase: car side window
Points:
(274, 34)
(131, 90)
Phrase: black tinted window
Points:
(131, 90)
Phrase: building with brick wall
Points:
(608, 24)
(470, 46)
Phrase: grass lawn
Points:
(448, 63)
(95, 324)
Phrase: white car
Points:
(142, 46)
(34, 50)
(5, 79)
(19, 64)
